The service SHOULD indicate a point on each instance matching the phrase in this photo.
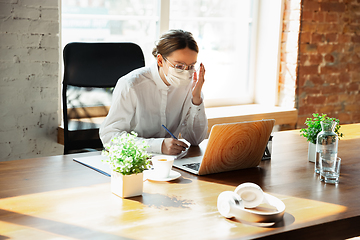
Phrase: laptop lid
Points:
(231, 146)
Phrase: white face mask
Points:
(177, 79)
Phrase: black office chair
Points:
(88, 67)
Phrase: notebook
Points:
(230, 146)
(95, 162)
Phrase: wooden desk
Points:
(55, 197)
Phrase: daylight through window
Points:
(224, 30)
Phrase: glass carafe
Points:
(326, 145)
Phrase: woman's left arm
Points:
(195, 124)
(197, 85)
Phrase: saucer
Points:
(150, 175)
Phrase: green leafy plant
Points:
(126, 155)
(314, 127)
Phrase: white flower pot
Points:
(126, 186)
(311, 152)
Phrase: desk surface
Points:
(57, 198)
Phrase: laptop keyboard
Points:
(194, 166)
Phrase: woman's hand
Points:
(171, 146)
(197, 85)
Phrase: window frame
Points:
(264, 90)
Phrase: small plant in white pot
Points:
(313, 129)
(127, 159)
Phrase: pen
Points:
(169, 132)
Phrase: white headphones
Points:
(246, 196)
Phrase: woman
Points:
(166, 93)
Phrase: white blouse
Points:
(142, 102)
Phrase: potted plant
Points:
(127, 159)
(313, 129)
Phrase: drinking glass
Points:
(330, 170)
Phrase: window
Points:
(224, 29)
(111, 21)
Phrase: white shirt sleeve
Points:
(118, 120)
(194, 126)
(121, 116)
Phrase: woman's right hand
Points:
(171, 146)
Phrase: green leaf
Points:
(126, 155)
(314, 127)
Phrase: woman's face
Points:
(184, 56)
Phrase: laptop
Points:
(230, 146)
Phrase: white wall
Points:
(29, 84)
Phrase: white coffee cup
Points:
(162, 165)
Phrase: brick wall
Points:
(328, 78)
(29, 84)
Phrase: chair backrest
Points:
(94, 65)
